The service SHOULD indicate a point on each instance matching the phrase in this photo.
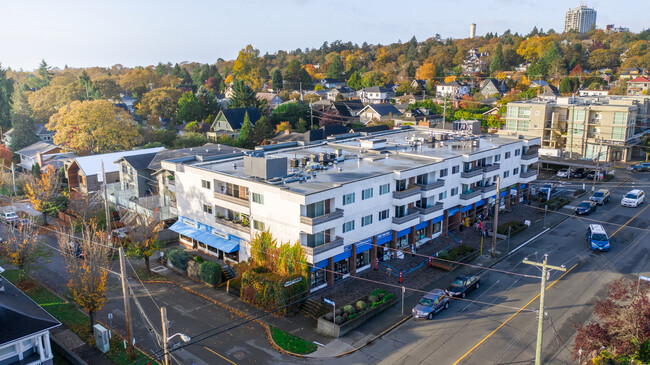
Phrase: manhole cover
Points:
(239, 355)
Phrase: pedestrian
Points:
(480, 227)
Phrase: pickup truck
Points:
(10, 217)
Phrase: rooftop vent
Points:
(265, 168)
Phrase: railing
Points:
(428, 210)
(529, 173)
(238, 225)
(413, 190)
(467, 196)
(529, 156)
(338, 213)
(324, 247)
(472, 173)
(434, 185)
(411, 214)
(491, 168)
(232, 199)
(487, 189)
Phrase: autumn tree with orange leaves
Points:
(86, 257)
(143, 237)
(22, 247)
(43, 191)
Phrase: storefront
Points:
(363, 254)
(403, 238)
(319, 275)
(342, 263)
(199, 236)
(382, 239)
(421, 232)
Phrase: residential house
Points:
(412, 117)
(638, 86)
(522, 67)
(84, 174)
(41, 153)
(135, 174)
(203, 128)
(419, 84)
(129, 102)
(344, 92)
(454, 89)
(474, 62)
(272, 100)
(378, 113)
(43, 133)
(634, 72)
(328, 83)
(406, 99)
(493, 86)
(25, 334)
(230, 121)
(375, 94)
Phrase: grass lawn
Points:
(292, 343)
(70, 316)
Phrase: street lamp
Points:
(184, 337)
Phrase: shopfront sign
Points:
(220, 234)
(190, 223)
(294, 281)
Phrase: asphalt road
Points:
(498, 332)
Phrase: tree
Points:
(95, 126)
(247, 66)
(335, 69)
(263, 130)
(302, 126)
(622, 328)
(498, 61)
(107, 88)
(410, 70)
(6, 92)
(22, 247)
(276, 80)
(209, 105)
(426, 72)
(5, 156)
(43, 191)
(87, 258)
(189, 108)
(24, 133)
(355, 82)
(645, 146)
(603, 58)
(290, 112)
(192, 127)
(296, 76)
(283, 126)
(244, 97)
(143, 236)
(159, 103)
(44, 73)
(246, 134)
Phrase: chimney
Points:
(39, 159)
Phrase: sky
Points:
(145, 32)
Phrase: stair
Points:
(227, 272)
(314, 308)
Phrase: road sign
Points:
(330, 302)
(644, 278)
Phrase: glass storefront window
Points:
(363, 259)
(403, 242)
(342, 267)
(436, 227)
(318, 277)
(420, 234)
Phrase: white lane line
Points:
(527, 242)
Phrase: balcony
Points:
(232, 199)
(413, 190)
(410, 215)
(434, 185)
(472, 173)
(338, 213)
(240, 225)
(431, 209)
(488, 189)
(529, 156)
(468, 196)
(528, 174)
(313, 251)
(493, 167)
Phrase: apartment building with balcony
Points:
(349, 201)
(585, 127)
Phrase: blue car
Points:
(597, 238)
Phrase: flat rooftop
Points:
(396, 151)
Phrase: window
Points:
(512, 112)
(620, 118)
(507, 156)
(523, 113)
(523, 125)
(366, 194)
(511, 125)
(515, 171)
(124, 169)
(443, 172)
(497, 158)
(579, 115)
(384, 214)
(205, 184)
(260, 226)
(348, 199)
(506, 174)
(442, 195)
(258, 198)
(348, 226)
(578, 129)
(517, 152)
(366, 220)
(455, 169)
(453, 192)
(422, 179)
(316, 209)
(384, 189)
(207, 208)
(618, 133)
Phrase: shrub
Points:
(361, 305)
(267, 291)
(178, 258)
(210, 273)
(349, 309)
(338, 320)
(388, 297)
(353, 316)
(199, 259)
(444, 255)
(373, 299)
(513, 225)
(329, 316)
(379, 293)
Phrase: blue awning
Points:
(342, 256)
(480, 202)
(504, 193)
(523, 186)
(466, 208)
(320, 265)
(452, 211)
(384, 237)
(228, 246)
(365, 245)
(421, 225)
(403, 232)
(437, 219)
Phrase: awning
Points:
(365, 245)
(228, 246)
(421, 225)
(480, 202)
(452, 211)
(437, 219)
(320, 265)
(466, 208)
(403, 232)
(343, 255)
(384, 237)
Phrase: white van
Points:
(633, 198)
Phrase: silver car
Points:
(430, 304)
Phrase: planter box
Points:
(499, 236)
(329, 328)
(444, 265)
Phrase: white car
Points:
(564, 173)
(633, 198)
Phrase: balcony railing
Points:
(529, 156)
(428, 210)
(324, 247)
(232, 199)
(491, 168)
(338, 213)
(434, 185)
(473, 173)
(527, 174)
(467, 196)
(413, 190)
(238, 225)
(487, 189)
(411, 214)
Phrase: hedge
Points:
(210, 273)
(178, 258)
(557, 203)
(266, 290)
(358, 307)
(513, 225)
(455, 253)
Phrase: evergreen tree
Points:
(263, 130)
(24, 133)
(244, 97)
(335, 69)
(498, 61)
(208, 103)
(44, 73)
(177, 70)
(246, 134)
(6, 91)
(355, 82)
(410, 70)
(189, 108)
(276, 80)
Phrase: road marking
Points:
(628, 222)
(214, 352)
(511, 317)
(527, 242)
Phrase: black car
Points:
(579, 173)
(463, 285)
(585, 207)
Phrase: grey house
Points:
(493, 86)
(135, 174)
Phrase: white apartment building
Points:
(347, 200)
(581, 19)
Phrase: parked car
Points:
(580, 173)
(597, 238)
(463, 285)
(585, 207)
(10, 217)
(633, 198)
(591, 173)
(564, 173)
(430, 304)
(600, 196)
(638, 167)
(543, 191)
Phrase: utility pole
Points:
(108, 218)
(600, 147)
(127, 305)
(497, 205)
(540, 324)
(165, 334)
(311, 116)
(13, 177)
(444, 111)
